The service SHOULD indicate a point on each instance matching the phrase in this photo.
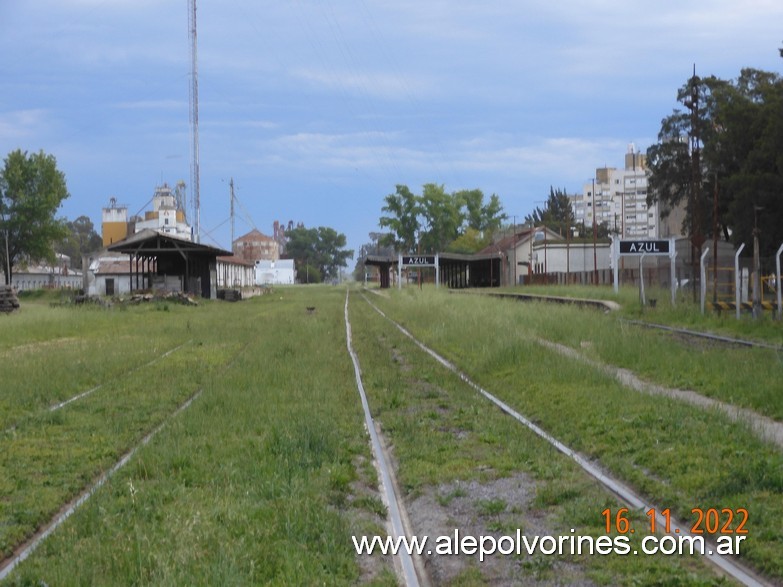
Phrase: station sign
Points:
(644, 247)
(418, 261)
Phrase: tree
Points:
(442, 218)
(31, 191)
(318, 252)
(403, 209)
(470, 241)
(739, 125)
(557, 214)
(671, 180)
(81, 240)
(434, 220)
(484, 218)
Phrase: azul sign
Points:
(644, 247)
(421, 261)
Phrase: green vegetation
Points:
(738, 123)
(439, 221)
(268, 473)
(260, 480)
(678, 455)
(319, 252)
(31, 191)
(685, 314)
(443, 432)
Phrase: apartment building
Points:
(617, 198)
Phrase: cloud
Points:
(366, 83)
(153, 105)
(19, 124)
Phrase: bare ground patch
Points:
(494, 508)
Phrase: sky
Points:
(317, 109)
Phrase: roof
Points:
(254, 235)
(151, 242)
(521, 236)
(234, 260)
(111, 266)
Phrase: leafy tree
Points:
(82, 239)
(432, 221)
(318, 252)
(484, 218)
(670, 183)
(442, 218)
(740, 129)
(403, 209)
(470, 241)
(31, 191)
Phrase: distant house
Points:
(109, 274)
(256, 246)
(44, 275)
(235, 272)
(280, 272)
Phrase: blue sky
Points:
(318, 108)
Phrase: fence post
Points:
(777, 281)
(703, 278)
(737, 279)
(673, 277)
(641, 281)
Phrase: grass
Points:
(443, 431)
(266, 476)
(745, 377)
(679, 456)
(685, 314)
(256, 483)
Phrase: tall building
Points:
(167, 216)
(617, 198)
(114, 226)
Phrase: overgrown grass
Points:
(266, 476)
(443, 431)
(685, 314)
(678, 455)
(745, 377)
(258, 482)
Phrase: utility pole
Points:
(7, 260)
(568, 244)
(194, 119)
(697, 239)
(595, 255)
(715, 242)
(231, 185)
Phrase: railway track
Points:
(392, 500)
(716, 338)
(84, 394)
(24, 550)
(632, 499)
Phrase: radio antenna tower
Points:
(194, 121)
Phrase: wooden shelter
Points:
(153, 254)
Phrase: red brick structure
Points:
(256, 246)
